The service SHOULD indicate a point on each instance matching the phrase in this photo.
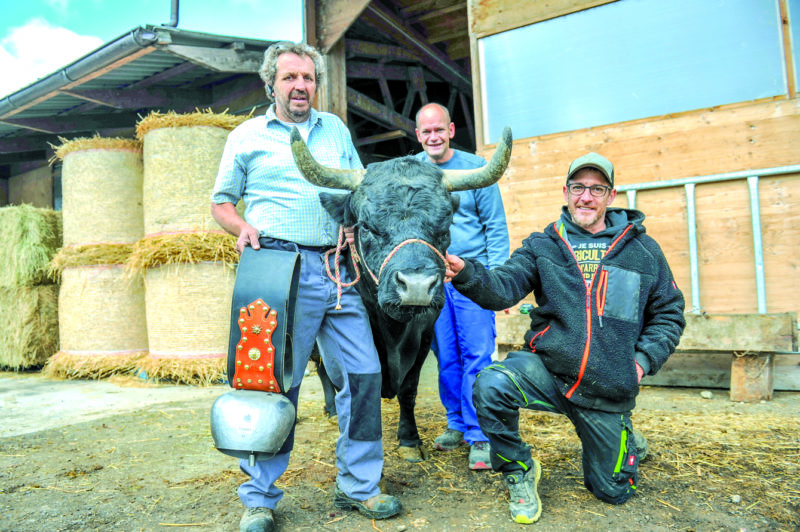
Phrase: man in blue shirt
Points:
(464, 334)
(283, 212)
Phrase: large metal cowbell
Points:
(253, 421)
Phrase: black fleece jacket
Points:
(589, 337)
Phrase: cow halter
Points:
(392, 253)
(356, 258)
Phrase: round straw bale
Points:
(188, 318)
(181, 160)
(102, 328)
(102, 190)
(28, 325)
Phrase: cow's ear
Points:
(338, 206)
(455, 201)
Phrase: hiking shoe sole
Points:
(384, 507)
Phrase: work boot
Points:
(525, 505)
(381, 506)
(479, 456)
(450, 440)
(257, 520)
(641, 444)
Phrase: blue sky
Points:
(38, 37)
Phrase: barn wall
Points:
(740, 137)
(34, 187)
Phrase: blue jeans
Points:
(463, 341)
(349, 356)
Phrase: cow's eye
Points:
(371, 230)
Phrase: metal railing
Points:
(689, 183)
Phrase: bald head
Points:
(434, 131)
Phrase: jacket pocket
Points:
(620, 294)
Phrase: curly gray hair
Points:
(269, 67)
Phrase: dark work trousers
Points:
(610, 456)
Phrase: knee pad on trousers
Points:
(365, 406)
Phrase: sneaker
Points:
(450, 440)
(525, 505)
(479, 456)
(257, 520)
(641, 444)
(380, 506)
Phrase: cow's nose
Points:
(416, 288)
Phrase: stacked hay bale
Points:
(187, 259)
(29, 237)
(102, 328)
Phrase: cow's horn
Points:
(486, 175)
(317, 174)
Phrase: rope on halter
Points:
(340, 246)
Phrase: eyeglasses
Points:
(598, 191)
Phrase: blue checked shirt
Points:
(257, 166)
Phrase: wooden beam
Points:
(460, 33)
(366, 70)
(418, 83)
(704, 332)
(430, 57)
(386, 93)
(218, 59)
(141, 98)
(740, 332)
(465, 108)
(333, 97)
(389, 135)
(64, 124)
(429, 5)
(384, 52)
(41, 142)
(486, 19)
(436, 13)
(365, 106)
(333, 18)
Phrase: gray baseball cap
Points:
(596, 161)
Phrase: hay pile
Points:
(185, 257)
(103, 330)
(29, 237)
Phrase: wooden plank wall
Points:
(738, 137)
(493, 16)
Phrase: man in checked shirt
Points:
(283, 212)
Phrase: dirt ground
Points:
(126, 456)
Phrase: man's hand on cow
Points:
(248, 236)
(454, 266)
(639, 372)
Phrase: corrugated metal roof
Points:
(139, 63)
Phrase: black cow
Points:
(402, 210)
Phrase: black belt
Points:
(277, 243)
(317, 249)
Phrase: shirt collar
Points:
(313, 118)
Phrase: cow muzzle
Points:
(416, 289)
